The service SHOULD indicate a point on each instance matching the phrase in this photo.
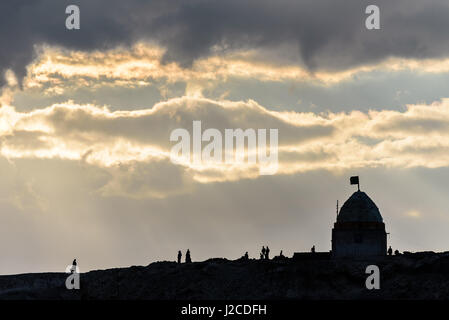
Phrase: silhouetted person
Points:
(263, 253)
(246, 257)
(312, 249)
(267, 253)
(396, 252)
(390, 251)
(188, 259)
(73, 266)
(179, 256)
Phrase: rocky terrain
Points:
(422, 275)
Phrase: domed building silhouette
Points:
(359, 230)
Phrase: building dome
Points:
(359, 208)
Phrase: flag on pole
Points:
(355, 180)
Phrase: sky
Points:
(86, 117)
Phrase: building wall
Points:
(358, 242)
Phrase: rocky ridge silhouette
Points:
(423, 275)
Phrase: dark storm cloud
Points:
(325, 34)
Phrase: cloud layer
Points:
(56, 70)
(324, 35)
(133, 147)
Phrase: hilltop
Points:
(422, 275)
